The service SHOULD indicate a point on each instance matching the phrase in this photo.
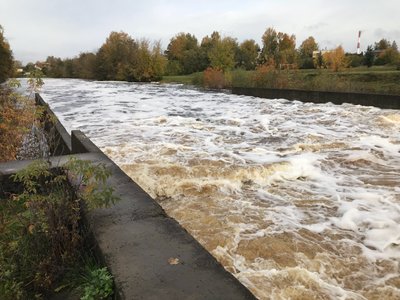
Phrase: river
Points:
(297, 200)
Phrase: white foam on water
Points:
(297, 200)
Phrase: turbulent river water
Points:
(297, 200)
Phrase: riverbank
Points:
(269, 188)
(376, 80)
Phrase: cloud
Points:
(37, 29)
(316, 27)
(391, 35)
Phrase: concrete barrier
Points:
(382, 101)
(58, 137)
(137, 240)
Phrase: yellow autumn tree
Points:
(335, 59)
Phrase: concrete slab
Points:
(139, 254)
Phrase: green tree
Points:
(183, 54)
(151, 63)
(382, 44)
(279, 47)
(369, 57)
(223, 53)
(248, 53)
(355, 60)
(207, 44)
(389, 56)
(54, 67)
(117, 58)
(306, 50)
(6, 58)
(270, 47)
(85, 65)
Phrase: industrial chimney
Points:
(358, 43)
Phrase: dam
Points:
(296, 200)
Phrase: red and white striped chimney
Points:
(358, 44)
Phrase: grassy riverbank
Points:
(45, 247)
(378, 79)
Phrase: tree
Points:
(208, 43)
(394, 46)
(270, 47)
(306, 50)
(307, 47)
(247, 55)
(183, 54)
(287, 48)
(354, 60)
(369, 57)
(335, 59)
(151, 62)
(279, 47)
(6, 58)
(388, 56)
(222, 54)
(382, 44)
(117, 58)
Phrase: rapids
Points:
(297, 200)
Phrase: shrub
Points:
(267, 75)
(41, 234)
(216, 78)
(17, 115)
(16, 118)
(97, 284)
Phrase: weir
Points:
(377, 100)
(148, 253)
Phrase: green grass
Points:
(377, 79)
(381, 80)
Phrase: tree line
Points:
(6, 58)
(123, 58)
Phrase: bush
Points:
(16, 118)
(41, 235)
(97, 284)
(216, 78)
(268, 76)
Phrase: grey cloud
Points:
(316, 26)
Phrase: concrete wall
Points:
(136, 239)
(59, 139)
(382, 101)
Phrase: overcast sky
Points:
(36, 29)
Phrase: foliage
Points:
(247, 55)
(222, 54)
(41, 234)
(279, 47)
(335, 59)
(369, 57)
(119, 58)
(6, 58)
(184, 54)
(17, 115)
(268, 76)
(306, 49)
(97, 284)
(388, 56)
(355, 60)
(93, 178)
(382, 44)
(215, 78)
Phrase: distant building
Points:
(316, 53)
